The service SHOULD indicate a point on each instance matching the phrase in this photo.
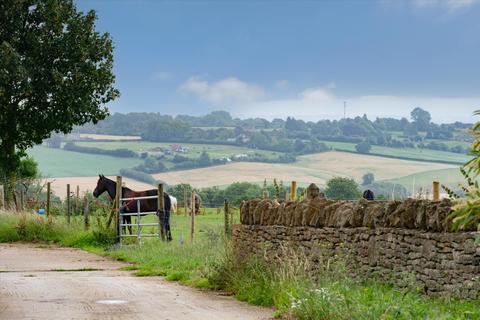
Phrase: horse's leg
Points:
(129, 222)
(167, 226)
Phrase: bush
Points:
(151, 165)
(179, 158)
(363, 147)
(368, 178)
(34, 228)
(342, 188)
(123, 153)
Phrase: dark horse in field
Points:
(146, 205)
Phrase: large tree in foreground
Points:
(55, 73)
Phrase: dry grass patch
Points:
(316, 168)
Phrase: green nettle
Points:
(467, 209)
(55, 73)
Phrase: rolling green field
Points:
(409, 153)
(218, 151)
(319, 168)
(449, 177)
(215, 151)
(61, 163)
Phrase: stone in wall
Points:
(439, 263)
(321, 212)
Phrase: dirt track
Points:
(40, 283)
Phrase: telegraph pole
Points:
(344, 109)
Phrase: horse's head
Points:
(368, 195)
(101, 186)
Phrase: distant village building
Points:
(240, 156)
(179, 148)
(241, 138)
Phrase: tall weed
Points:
(332, 293)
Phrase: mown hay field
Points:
(316, 168)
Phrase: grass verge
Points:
(210, 263)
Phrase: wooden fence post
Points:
(85, 214)
(68, 203)
(436, 190)
(22, 199)
(293, 191)
(226, 216)
(265, 194)
(2, 198)
(77, 200)
(192, 213)
(118, 195)
(161, 212)
(48, 198)
(185, 201)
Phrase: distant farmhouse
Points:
(179, 148)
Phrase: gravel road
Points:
(62, 283)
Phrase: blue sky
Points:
(297, 58)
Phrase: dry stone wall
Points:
(400, 242)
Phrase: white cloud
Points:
(319, 103)
(450, 5)
(228, 90)
(318, 93)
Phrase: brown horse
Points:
(146, 205)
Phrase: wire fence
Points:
(187, 204)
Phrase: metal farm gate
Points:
(139, 214)
(123, 226)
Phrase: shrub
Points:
(363, 147)
(342, 188)
(123, 153)
(368, 178)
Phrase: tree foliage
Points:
(55, 73)
(368, 178)
(467, 210)
(342, 188)
(363, 147)
(421, 119)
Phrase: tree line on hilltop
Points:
(290, 135)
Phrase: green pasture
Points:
(409, 153)
(448, 177)
(214, 128)
(210, 220)
(450, 143)
(61, 163)
(214, 150)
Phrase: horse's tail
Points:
(167, 202)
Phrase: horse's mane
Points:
(114, 182)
